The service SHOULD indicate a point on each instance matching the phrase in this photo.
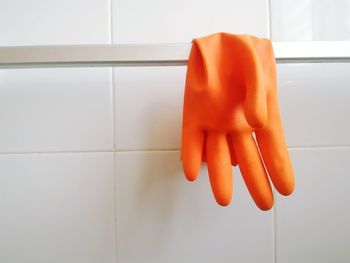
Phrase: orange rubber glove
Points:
(231, 93)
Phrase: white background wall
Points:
(89, 157)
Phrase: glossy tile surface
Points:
(180, 21)
(56, 110)
(51, 22)
(161, 217)
(313, 224)
(310, 20)
(314, 101)
(149, 107)
(57, 208)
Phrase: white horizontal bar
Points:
(312, 51)
(93, 55)
(154, 54)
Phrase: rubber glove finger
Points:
(230, 146)
(253, 171)
(261, 81)
(219, 167)
(274, 152)
(191, 152)
(255, 107)
(232, 150)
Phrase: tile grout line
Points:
(269, 19)
(275, 231)
(316, 147)
(57, 152)
(269, 28)
(115, 204)
(112, 75)
(320, 147)
(114, 138)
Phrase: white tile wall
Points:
(313, 224)
(163, 218)
(57, 208)
(149, 107)
(314, 101)
(181, 21)
(60, 207)
(51, 22)
(310, 20)
(56, 110)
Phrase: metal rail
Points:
(154, 54)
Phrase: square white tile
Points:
(149, 107)
(57, 208)
(314, 101)
(52, 22)
(56, 110)
(313, 224)
(299, 20)
(181, 21)
(161, 217)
